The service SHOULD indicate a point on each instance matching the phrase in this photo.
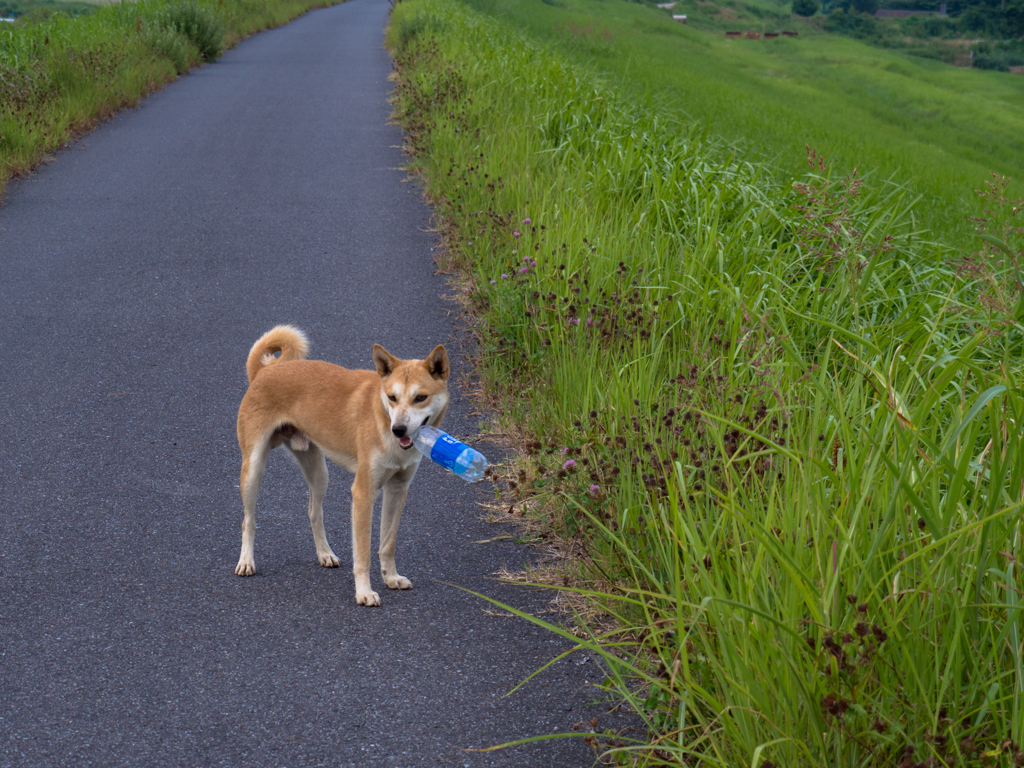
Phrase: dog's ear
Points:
(437, 363)
(384, 360)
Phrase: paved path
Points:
(136, 270)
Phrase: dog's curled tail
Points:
(286, 339)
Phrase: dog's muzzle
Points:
(402, 433)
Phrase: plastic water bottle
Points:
(468, 463)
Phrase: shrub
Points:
(854, 24)
(864, 6)
(805, 7)
(198, 25)
(172, 44)
(991, 61)
(410, 28)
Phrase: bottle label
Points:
(446, 450)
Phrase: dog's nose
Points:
(399, 431)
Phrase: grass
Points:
(778, 418)
(61, 74)
(936, 128)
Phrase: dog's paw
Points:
(245, 568)
(397, 582)
(328, 559)
(370, 598)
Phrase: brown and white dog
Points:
(363, 421)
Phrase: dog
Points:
(363, 421)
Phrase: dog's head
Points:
(414, 392)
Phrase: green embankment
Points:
(781, 422)
(941, 128)
(62, 74)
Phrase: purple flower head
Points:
(515, 234)
(565, 451)
(574, 320)
(533, 262)
(595, 489)
(504, 276)
(570, 464)
(590, 322)
(493, 282)
(523, 270)
(526, 221)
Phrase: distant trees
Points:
(1004, 20)
(994, 19)
(805, 7)
(1013, 18)
(41, 9)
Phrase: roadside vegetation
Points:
(64, 67)
(770, 403)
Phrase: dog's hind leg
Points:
(395, 491)
(314, 469)
(254, 464)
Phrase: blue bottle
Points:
(468, 463)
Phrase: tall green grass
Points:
(781, 423)
(931, 126)
(61, 75)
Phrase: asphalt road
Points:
(136, 270)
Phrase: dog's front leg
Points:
(395, 491)
(364, 492)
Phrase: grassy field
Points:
(938, 128)
(61, 74)
(775, 418)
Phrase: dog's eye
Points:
(392, 398)
(420, 398)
